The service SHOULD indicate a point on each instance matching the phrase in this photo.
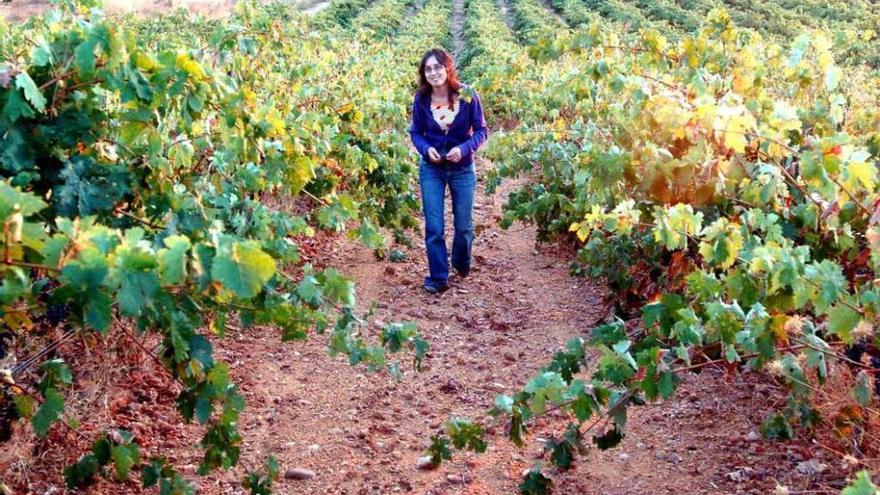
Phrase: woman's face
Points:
(435, 72)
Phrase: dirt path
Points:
(506, 14)
(554, 12)
(362, 433)
(456, 28)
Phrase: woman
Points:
(447, 128)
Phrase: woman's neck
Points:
(441, 92)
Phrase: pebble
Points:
(753, 436)
(299, 474)
(624, 457)
(811, 467)
(424, 463)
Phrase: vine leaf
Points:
(535, 483)
(244, 269)
(49, 412)
(31, 93)
(861, 486)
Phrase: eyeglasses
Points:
(434, 68)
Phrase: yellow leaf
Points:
(863, 173)
(190, 66)
(145, 62)
(277, 125)
(372, 164)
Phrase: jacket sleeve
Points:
(417, 129)
(478, 124)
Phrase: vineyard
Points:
(212, 251)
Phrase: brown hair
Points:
(451, 74)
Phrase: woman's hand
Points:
(454, 155)
(433, 155)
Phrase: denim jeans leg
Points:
(463, 185)
(433, 185)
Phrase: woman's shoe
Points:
(433, 289)
(461, 273)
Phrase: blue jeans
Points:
(462, 182)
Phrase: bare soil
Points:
(362, 432)
(19, 10)
(456, 28)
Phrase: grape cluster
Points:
(8, 414)
(856, 351)
(57, 313)
(875, 363)
(5, 343)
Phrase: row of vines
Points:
(723, 184)
(159, 176)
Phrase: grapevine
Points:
(142, 198)
(747, 200)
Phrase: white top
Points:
(443, 115)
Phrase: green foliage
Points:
(466, 434)
(117, 448)
(862, 485)
(535, 483)
(49, 412)
(439, 450)
(259, 483)
(563, 450)
(137, 182)
(159, 472)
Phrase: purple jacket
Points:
(468, 130)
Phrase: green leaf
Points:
(609, 439)
(584, 404)
(32, 93)
(369, 236)
(85, 57)
(173, 260)
(564, 449)
(49, 412)
(244, 269)
(98, 311)
(203, 408)
(466, 434)
(439, 450)
(535, 483)
(547, 386)
(125, 456)
(841, 321)
(608, 334)
(82, 473)
(830, 282)
(777, 427)
(336, 287)
(138, 281)
(57, 374)
(13, 200)
(395, 335)
(88, 272)
(862, 389)
(16, 107)
(862, 485)
(310, 291)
